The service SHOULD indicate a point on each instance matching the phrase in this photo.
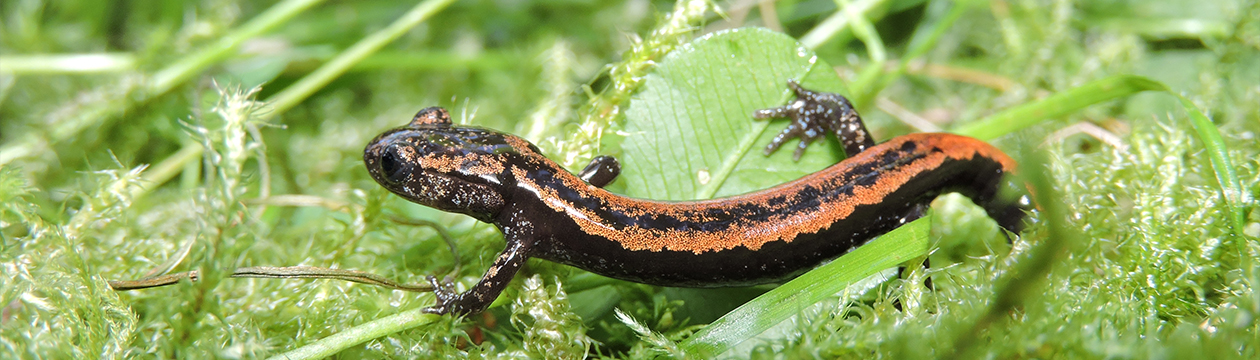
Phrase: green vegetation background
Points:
(1153, 267)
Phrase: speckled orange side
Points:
(931, 151)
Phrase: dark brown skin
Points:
(761, 237)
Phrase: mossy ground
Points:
(1153, 267)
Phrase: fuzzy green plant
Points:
(194, 139)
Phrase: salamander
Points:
(760, 237)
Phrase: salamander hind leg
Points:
(1004, 200)
(1011, 215)
(915, 212)
(813, 115)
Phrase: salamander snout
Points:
(453, 168)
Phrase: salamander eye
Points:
(392, 164)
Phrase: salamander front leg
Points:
(601, 171)
(813, 114)
(491, 285)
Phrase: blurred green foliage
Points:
(1152, 271)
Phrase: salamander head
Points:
(450, 168)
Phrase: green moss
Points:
(102, 178)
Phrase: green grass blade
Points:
(1236, 198)
(1110, 88)
(190, 65)
(294, 94)
(865, 32)
(331, 345)
(775, 306)
(925, 38)
(835, 23)
(67, 63)
(1059, 104)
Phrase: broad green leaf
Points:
(690, 132)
